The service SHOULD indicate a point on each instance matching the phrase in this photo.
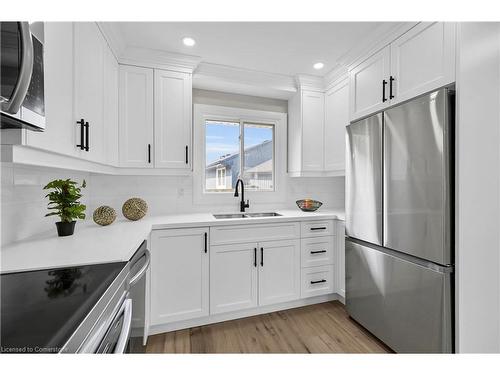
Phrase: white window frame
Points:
(204, 112)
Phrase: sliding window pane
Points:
(222, 155)
(259, 162)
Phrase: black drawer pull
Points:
(206, 242)
(318, 282)
(255, 257)
(318, 228)
(87, 147)
(82, 136)
(149, 153)
(384, 82)
(318, 251)
(187, 161)
(262, 257)
(391, 80)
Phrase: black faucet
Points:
(243, 205)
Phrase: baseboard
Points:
(169, 327)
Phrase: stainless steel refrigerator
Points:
(399, 224)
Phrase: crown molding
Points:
(310, 82)
(243, 81)
(384, 35)
(152, 58)
(223, 78)
(113, 37)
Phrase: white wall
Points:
(174, 195)
(239, 101)
(478, 188)
(23, 202)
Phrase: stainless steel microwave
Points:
(22, 83)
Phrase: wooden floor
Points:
(322, 328)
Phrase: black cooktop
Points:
(40, 310)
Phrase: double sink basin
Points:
(246, 215)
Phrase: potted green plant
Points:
(64, 202)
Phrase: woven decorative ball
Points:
(134, 208)
(104, 215)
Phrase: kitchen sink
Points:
(230, 216)
(263, 214)
(246, 215)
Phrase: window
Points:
(224, 142)
(221, 178)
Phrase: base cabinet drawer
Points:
(316, 281)
(317, 228)
(254, 233)
(316, 251)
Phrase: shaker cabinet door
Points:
(423, 59)
(179, 275)
(136, 117)
(279, 271)
(367, 94)
(336, 120)
(172, 119)
(233, 277)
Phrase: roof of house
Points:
(266, 166)
(227, 158)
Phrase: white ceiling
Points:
(275, 47)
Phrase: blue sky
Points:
(222, 138)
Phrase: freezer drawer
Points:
(364, 179)
(404, 304)
(417, 183)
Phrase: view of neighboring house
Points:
(223, 173)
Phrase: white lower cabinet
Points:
(179, 275)
(254, 274)
(279, 271)
(200, 274)
(233, 277)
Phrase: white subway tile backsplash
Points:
(24, 203)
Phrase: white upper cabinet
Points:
(316, 129)
(59, 134)
(313, 109)
(419, 61)
(369, 84)
(336, 120)
(172, 119)
(423, 59)
(305, 133)
(136, 117)
(179, 275)
(89, 48)
(110, 107)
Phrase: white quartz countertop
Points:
(93, 244)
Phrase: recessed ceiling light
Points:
(188, 41)
(318, 65)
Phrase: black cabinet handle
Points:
(384, 82)
(262, 257)
(87, 137)
(255, 257)
(318, 251)
(187, 155)
(149, 153)
(206, 242)
(391, 80)
(318, 228)
(318, 282)
(82, 139)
